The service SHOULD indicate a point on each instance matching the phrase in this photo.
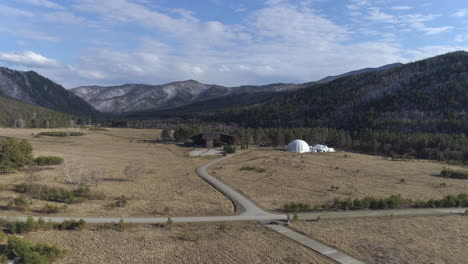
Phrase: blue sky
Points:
(107, 42)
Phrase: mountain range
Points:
(430, 95)
(141, 97)
(138, 97)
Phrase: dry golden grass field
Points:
(169, 185)
(307, 178)
(436, 239)
(200, 243)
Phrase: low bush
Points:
(52, 209)
(253, 168)
(95, 128)
(3, 237)
(71, 225)
(20, 227)
(105, 226)
(455, 174)
(19, 203)
(48, 160)
(295, 217)
(61, 134)
(58, 194)
(296, 207)
(122, 225)
(120, 202)
(229, 149)
(23, 251)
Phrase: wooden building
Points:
(213, 139)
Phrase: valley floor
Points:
(309, 177)
(168, 186)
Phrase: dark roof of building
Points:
(210, 135)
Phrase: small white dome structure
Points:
(320, 148)
(299, 146)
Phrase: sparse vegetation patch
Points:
(455, 174)
(392, 202)
(61, 134)
(58, 194)
(95, 128)
(253, 168)
(48, 160)
(24, 251)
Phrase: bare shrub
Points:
(133, 170)
(76, 175)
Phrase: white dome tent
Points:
(321, 148)
(299, 146)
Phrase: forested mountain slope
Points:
(430, 95)
(33, 88)
(14, 113)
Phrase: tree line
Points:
(398, 145)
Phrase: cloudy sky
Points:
(229, 42)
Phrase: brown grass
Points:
(308, 178)
(242, 243)
(395, 240)
(169, 185)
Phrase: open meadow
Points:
(395, 240)
(194, 243)
(168, 184)
(275, 177)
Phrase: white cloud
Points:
(27, 58)
(461, 38)
(376, 15)
(43, 3)
(461, 13)
(357, 4)
(63, 18)
(30, 34)
(436, 30)
(401, 7)
(11, 11)
(288, 23)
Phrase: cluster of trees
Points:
(58, 194)
(24, 251)
(391, 202)
(14, 154)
